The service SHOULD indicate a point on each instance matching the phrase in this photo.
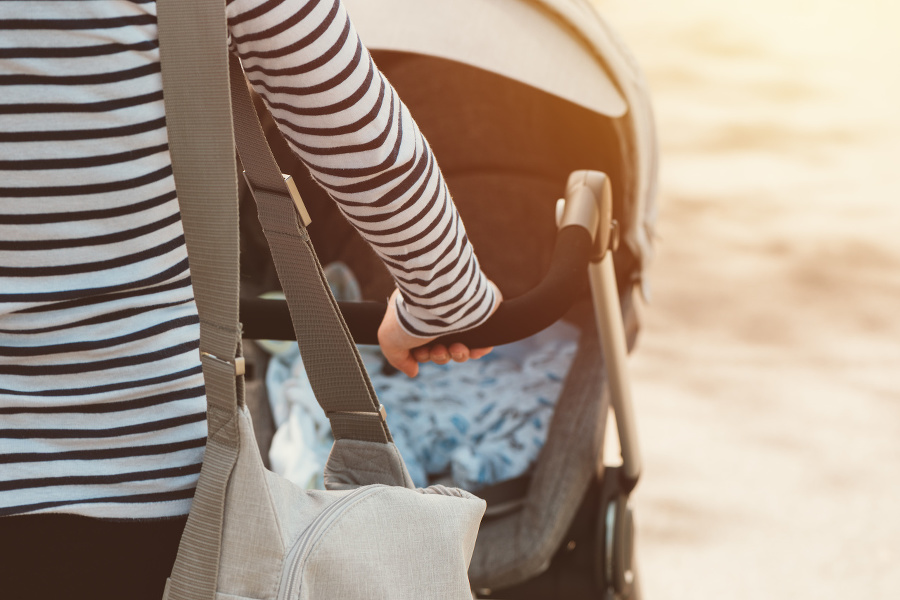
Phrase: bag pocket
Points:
(292, 577)
(387, 542)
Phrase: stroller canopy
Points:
(561, 47)
(511, 38)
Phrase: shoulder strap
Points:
(335, 369)
(201, 143)
(195, 74)
(199, 118)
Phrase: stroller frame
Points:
(589, 205)
(619, 572)
(571, 498)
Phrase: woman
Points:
(101, 393)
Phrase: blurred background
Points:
(767, 377)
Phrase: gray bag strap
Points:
(201, 142)
(197, 143)
(198, 118)
(332, 361)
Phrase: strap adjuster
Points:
(293, 192)
(298, 201)
(382, 412)
(239, 364)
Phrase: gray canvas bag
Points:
(250, 533)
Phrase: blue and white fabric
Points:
(478, 423)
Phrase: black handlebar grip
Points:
(515, 318)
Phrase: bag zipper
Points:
(313, 533)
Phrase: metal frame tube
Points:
(588, 204)
(608, 314)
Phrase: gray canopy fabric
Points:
(508, 37)
(562, 47)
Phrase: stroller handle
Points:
(585, 222)
(515, 318)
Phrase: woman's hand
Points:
(405, 351)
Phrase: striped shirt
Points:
(102, 406)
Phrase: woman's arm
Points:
(345, 121)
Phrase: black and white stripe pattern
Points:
(359, 141)
(102, 408)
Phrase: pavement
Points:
(767, 375)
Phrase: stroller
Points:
(513, 96)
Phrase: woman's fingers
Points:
(459, 352)
(398, 346)
(439, 354)
(405, 352)
(479, 352)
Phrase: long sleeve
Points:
(101, 389)
(346, 122)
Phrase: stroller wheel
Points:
(615, 569)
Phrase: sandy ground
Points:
(767, 378)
